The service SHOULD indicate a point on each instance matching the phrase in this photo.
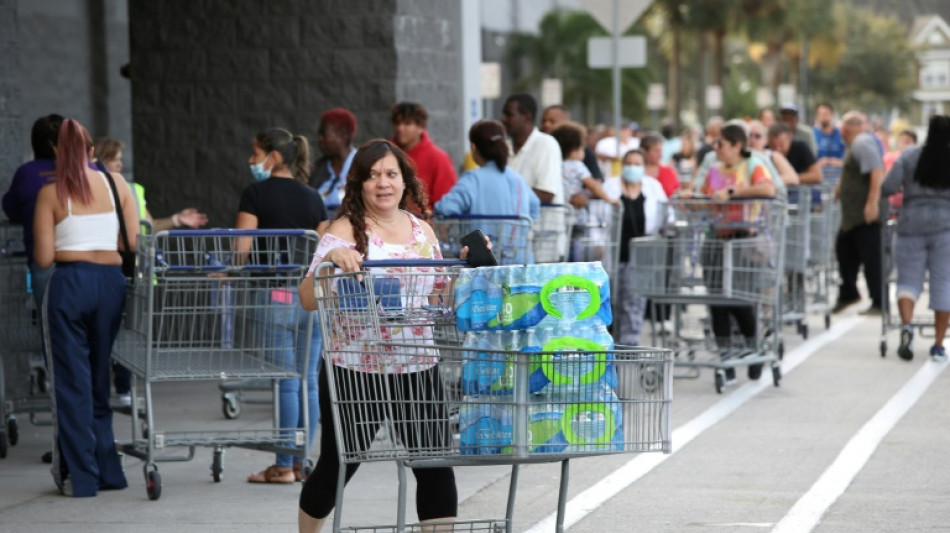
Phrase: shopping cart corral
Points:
(721, 254)
(510, 235)
(448, 405)
(200, 310)
(23, 380)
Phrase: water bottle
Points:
(545, 434)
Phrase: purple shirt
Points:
(19, 202)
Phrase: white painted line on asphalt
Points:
(587, 501)
(808, 510)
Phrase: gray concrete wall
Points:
(9, 92)
(209, 75)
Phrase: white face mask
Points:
(258, 170)
(632, 173)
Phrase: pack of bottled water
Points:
(552, 319)
(519, 297)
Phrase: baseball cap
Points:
(790, 107)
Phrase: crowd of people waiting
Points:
(373, 202)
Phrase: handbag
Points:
(128, 256)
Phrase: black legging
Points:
(712, 261)
(419, 424)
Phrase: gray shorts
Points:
(916, 254)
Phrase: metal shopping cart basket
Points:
(510, 235)
(23, 382)
(797, 245)
(460, 405)
(824, 220)
(725, 253)
(205, 306)
(551, 233)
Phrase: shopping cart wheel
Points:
(230, 406)
(883, 348)
(827, 321)
(720, 381)
(781, 350)
(306, 470)
(217, 465)
(153, 485)
(13, 431)
(776, 375)
(804, 331)
(3, 445)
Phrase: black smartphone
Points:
(478, 252)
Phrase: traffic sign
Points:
(632, 52)
(628, 11)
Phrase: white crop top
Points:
(92, 232)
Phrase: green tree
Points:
(559, 50)
(875, 70)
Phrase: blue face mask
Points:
(633, 173)
(258, 171)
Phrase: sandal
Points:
(273, 474)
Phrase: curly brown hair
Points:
(353, 208)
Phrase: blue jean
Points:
(285, 340)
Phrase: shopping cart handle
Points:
(552, 205)
(480, 217)
(229, 232)
(413, 263)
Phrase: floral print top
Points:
(358, 335)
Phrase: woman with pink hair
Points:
(76, 225)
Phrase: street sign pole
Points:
(616, 67)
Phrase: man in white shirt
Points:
(536, 156)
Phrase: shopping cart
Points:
(596, 235)
(723, 253)
(824, 220)
(205, 306)
(23, 382)
(551, 233)
(797, 246)
(444, 409)
(510, 235)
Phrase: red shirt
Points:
(434, 168)
(668, 179)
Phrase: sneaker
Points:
(841, 305)
(903, 350)
(871, 311)
(66, 489)
(938, 354)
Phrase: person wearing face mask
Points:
(280, 198)
(644, 213)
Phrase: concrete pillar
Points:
(207, 76)
(9, 93)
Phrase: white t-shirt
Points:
(608, 146)
(539, 163)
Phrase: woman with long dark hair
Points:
(373, 224)
(76, 225)
(923, 232)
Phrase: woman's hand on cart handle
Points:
(463, 253)
(348, 260)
